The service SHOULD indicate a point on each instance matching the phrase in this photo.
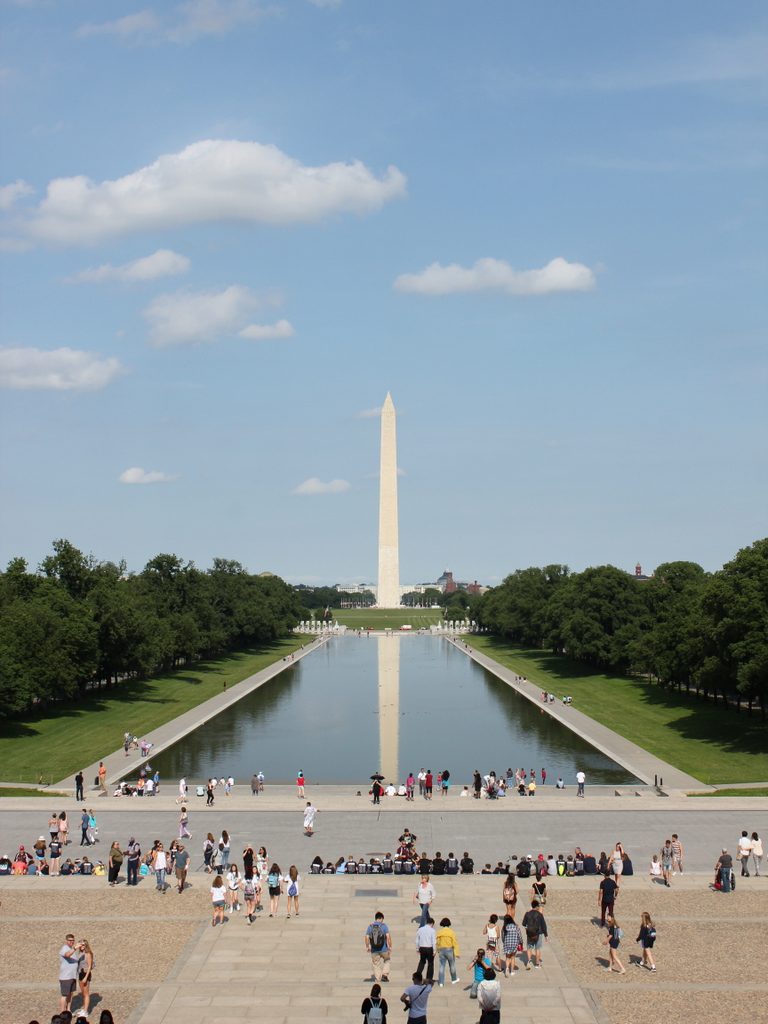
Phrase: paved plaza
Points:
(159, 961)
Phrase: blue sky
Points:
(229, 228)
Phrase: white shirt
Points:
(580, 777)
(309, 816)
(745, 846)
(288, 882)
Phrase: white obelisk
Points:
(388, 590)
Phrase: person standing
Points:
(425, 943)
(723, 870)
(54, 855)
(254, 785)
(617, 863)
(84, 976)
(225, 849)
(416, 998)
(182, 791)
(677, 854)
(447, 951)
(133, 860)
(612, 941)
(489, 997)
(667, 855)
(757, 853)
(428, 784)
(535, 933)
(275, 887)
(159, 866)
(606, 896)
(209, 793)
(374, 1008)
(477, 784)
(421, 777)
(300, 785)
(744, 850)
(69, 968)
(378, 942)
(424, 896)
(181, 867)
(79, 780)
(292, 886)
(410, 785)
(218, 900)
(115, 862)
(646, 937)
(309, 818)
(580, 781)
(102, 779)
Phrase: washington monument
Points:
(388, 589)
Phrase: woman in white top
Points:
(617, 862)
(292, 884)
(262, 864)
(757, 852)
(224, 846)
(159, 866)
(234, 884)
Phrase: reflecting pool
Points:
(388, 703)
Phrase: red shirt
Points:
(428, 781)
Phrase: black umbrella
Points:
(376, 776)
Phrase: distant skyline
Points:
(228, 228)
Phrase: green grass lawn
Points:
(387, 618)
(49, 747)
(698, 737)
(19, 791)
(758, 791)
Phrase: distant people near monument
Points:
(580, 781)
(300, 785)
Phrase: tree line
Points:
(683, 627)
(78, 622)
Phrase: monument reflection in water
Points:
(388, 703)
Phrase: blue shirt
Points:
(419, 997)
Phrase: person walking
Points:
(424, 896)
(79, 780)
(613, 941)
(234, 884)
(491, 933)
(416, 999)
(84, 823)
(744, 851)
(509, 894)
(184, 832)
(69, 968)
(159, 866)
(251, 891)
(85, 975)
(677, 854)
(511, 942)
(378, 942)
(132, 861)
(489, 997)
(209, 793)
(667, 855)
(292, 886)
(225, 848)
(606, 896)
(181, 867)
(374, 1008)
(535, 933)
(309, 818)
(218, 900)
(115, 862)
(617, 863)
(181, 798)
(425, 943)
(580, 781)
(646, 937)
(447, 946)
(757, 853)
(275, 887)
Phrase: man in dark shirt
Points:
(724, 868)
(535, 934)
(606, 896)
(79, 787)
(467, 864)
(84, 820)
(438, 864)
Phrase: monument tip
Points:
(388, 403)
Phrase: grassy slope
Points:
(761, 791)
(698, 737)
(385, 618)
(53, 746)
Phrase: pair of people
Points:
(646, 938)
(75, 969)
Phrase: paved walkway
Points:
(118, 765)
(637, 760)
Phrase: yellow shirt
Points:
(446, 939)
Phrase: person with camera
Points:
(415, 999)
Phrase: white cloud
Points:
(163, 263)
(186, 317)
(212, 180)
(370, 414)
(491, 275)
(10, 194)
(315, 486)
(59, 369)
(265, 332)
(184, 23)
(137, 475)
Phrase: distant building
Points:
(639, 574)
